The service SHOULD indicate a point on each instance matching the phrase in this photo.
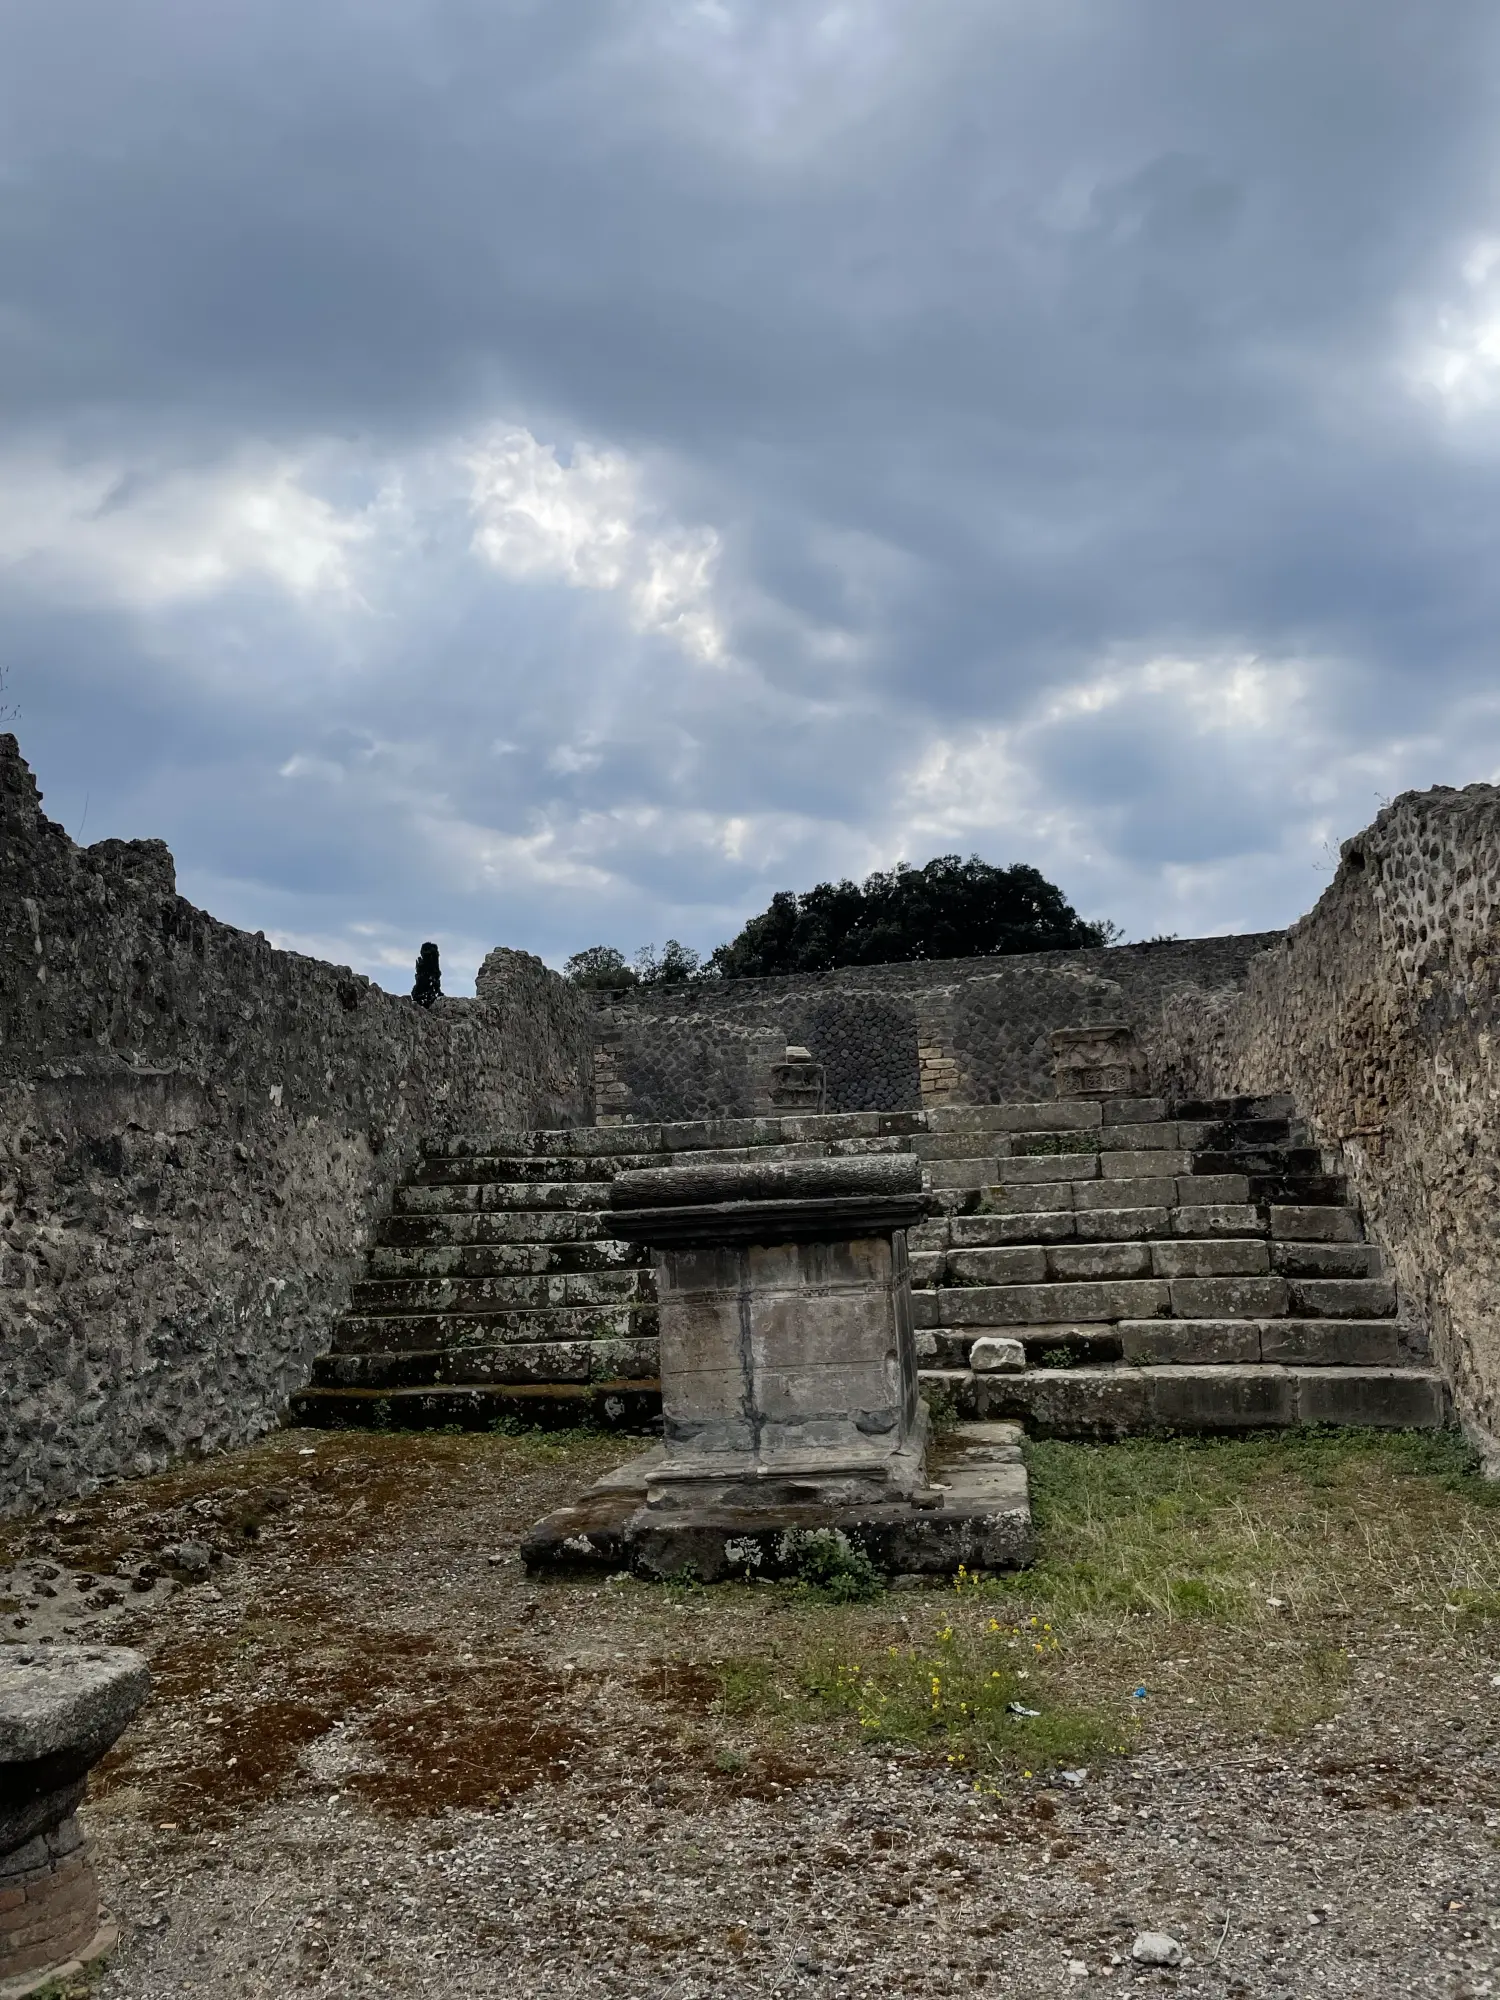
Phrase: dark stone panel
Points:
(867, 1044)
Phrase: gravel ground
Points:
(380, 1760)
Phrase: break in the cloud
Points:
(503, 472)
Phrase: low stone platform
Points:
(975, 1511)
(61, 1707)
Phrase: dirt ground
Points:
(380, 1760)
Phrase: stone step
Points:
(512, 1196)
(1120, 1401)
(1008, 1197)
(523, 1226)
(1320, 1224)
(1300, 1190)
(1263, 1160)
(1189, 1257)
(1099, 1225)
(507, 1361)
(805, 1149)
(1220, 1109)
(395, 1296)
(484, 1169)
(1313, 1343)
(621, 1406)
(399, 1333)
(499, 1260)
(1020, 1299)
(702, 1134)
(1326, 1260)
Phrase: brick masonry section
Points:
(49, 1902)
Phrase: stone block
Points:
(1334, 1343)
(1196, 1190)
(1155, 1136)
(1244, 1396)
(924, 1309)
(1016, 1305)
(1211, 1257)
(993, 1354)
(1219, 1218)
(1005, 1266)
(1069, 1402)
(931, 1235)
(958, 1146)
(1058, 1333)
(1188, 1342)
(1145, 1165)
(964, 1174)
(1154, 1191)
(1059, 1115)
(980, 1232)
(1315, 1224)
(1341, 1298)
(1134, 1110)
(1099, 1260)
(1120, 1225)
(926, 1268)
(1326, 1260)
(1228, 1298)
(1380, 1398)
(1030, 1169)
(1046, 1198)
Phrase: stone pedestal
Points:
(789, 1384)
(61, 1707)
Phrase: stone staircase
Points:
(1200, 1271)
(1203, 1271)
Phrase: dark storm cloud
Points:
(1059, 431)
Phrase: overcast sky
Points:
(556, 471)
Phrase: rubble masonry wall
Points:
(1379, 1013)
(197, 1133)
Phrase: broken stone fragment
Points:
(993, 1354)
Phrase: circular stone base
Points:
(104, 1940)
(49, 1903)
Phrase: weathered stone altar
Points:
(789, 1385)
(61, 1707)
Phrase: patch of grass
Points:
(973, 1690)
(1180, 1583)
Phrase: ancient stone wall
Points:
(196, 1133)
(1379, 1013)
(893, 1037)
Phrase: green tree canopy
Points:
(600, 965)
(951, 908)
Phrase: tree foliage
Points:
(429, 981)
(951, 908)
(600, 965)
